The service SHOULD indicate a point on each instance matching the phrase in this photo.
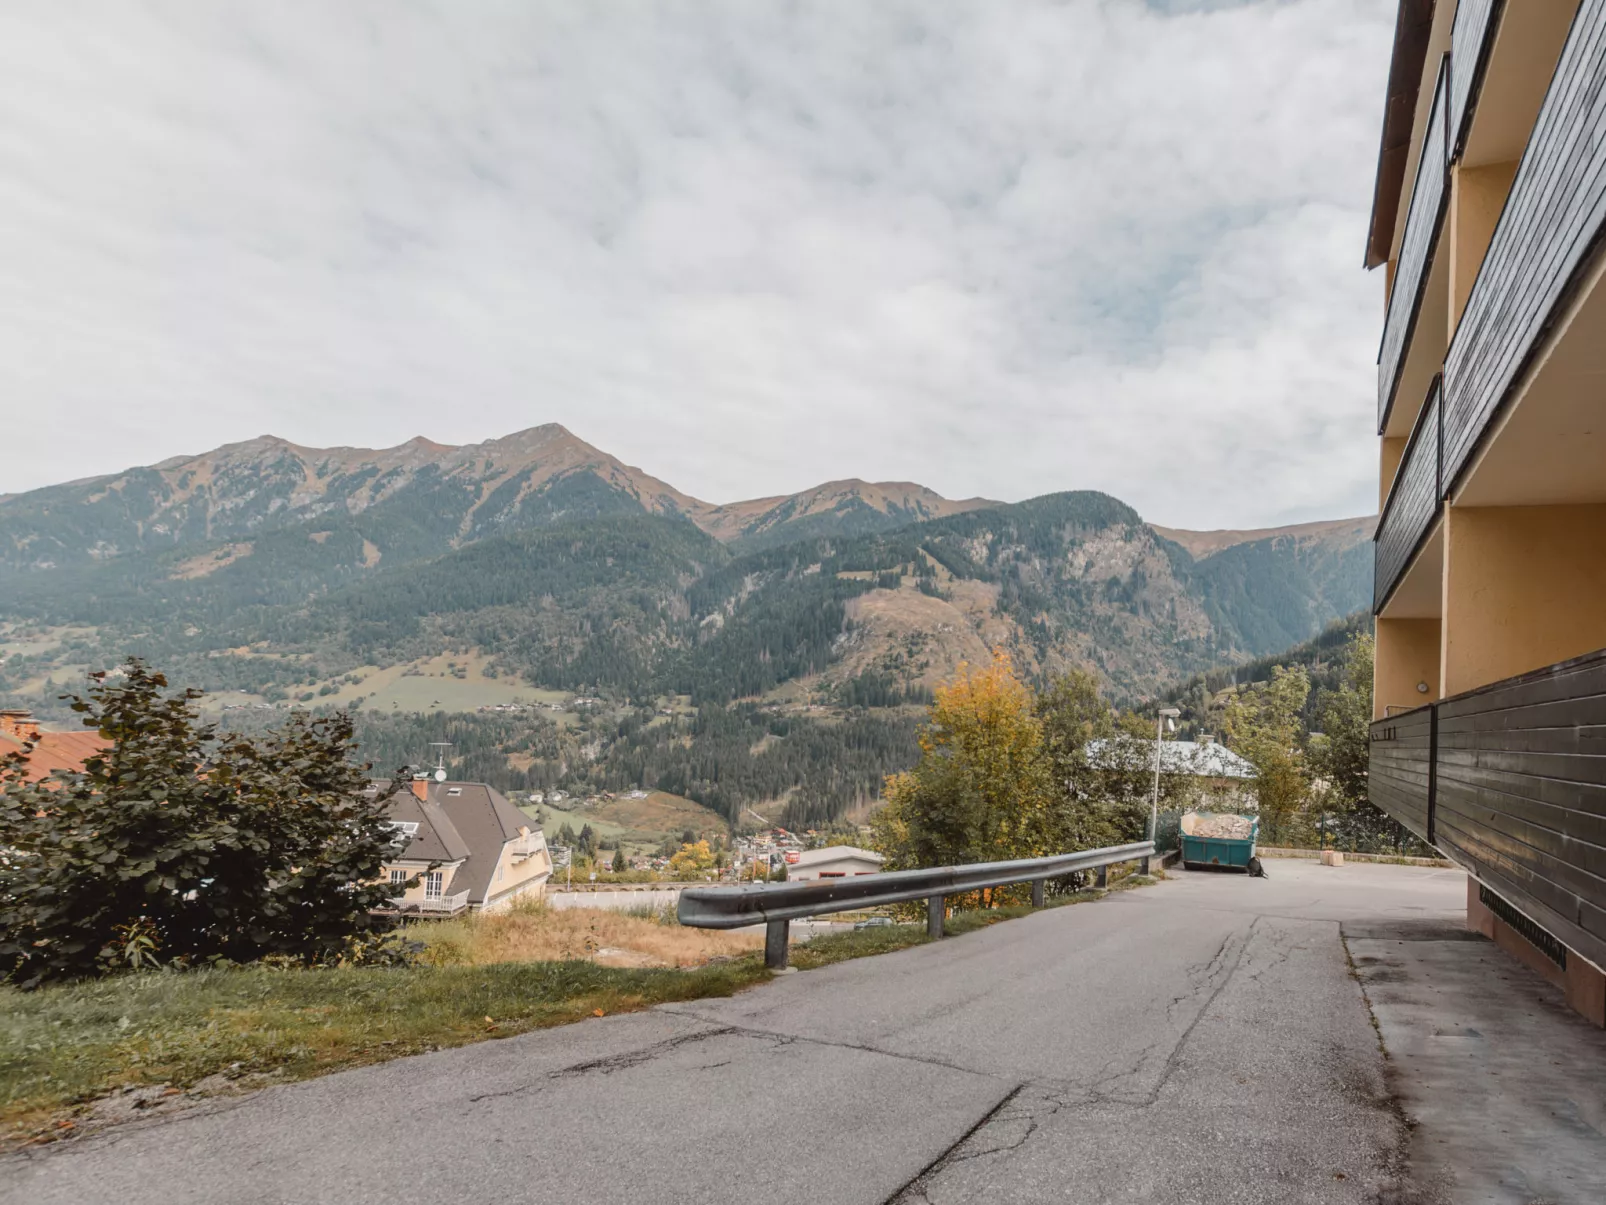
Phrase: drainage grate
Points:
(1538, 937)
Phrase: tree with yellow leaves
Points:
(692, 860)
(982, 789)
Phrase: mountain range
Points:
(533, 478)
(274, 570)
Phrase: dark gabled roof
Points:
(437, 838)
(1412, 28)
(468, 821)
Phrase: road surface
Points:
(1204, 1040)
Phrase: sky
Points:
(1000, 247)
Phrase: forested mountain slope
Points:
(772, 654)
(641, 605)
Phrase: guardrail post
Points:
(1039, 891)
(934, 909)
(1143, 866)
(776, 935)
(1102, 880)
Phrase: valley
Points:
(563, 618)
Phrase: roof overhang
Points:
(1412, 27)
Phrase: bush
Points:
(180, 844)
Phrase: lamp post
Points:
(1166, 716)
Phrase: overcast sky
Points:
(1000, 248)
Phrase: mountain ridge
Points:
(243, 487)
(240, 488)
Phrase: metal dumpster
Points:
(1213, 839)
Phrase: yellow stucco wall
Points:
(1407, 653)
(1393, 451)
(1477, 195)
(1524, 587)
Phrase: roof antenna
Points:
(440, 758)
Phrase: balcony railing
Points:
(1546, 238)
(1413, 502)
(1422, 221)
(1469, 51)
(440, 903)
(1509, 781)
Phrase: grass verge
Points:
(64, 1047)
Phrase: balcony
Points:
(1423, 221)
(434, 905)
(1509, 781)
(1542, 249)
(1412, 505)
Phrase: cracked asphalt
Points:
(1203, 1040)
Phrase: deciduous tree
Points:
(1263, 724)
(982, 790)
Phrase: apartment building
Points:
(1489, 739)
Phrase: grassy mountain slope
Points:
(419, 499)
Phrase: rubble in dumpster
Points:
(1220, 827)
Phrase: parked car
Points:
(873, 922)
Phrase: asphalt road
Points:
(1201, 1040)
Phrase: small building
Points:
(833, 862)
(486, 852)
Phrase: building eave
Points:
(1412, 28)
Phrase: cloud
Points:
(999, 248)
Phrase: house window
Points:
(833, 874)
(397, 876)
(453, 792)
(432, 885)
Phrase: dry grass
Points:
(533, 932)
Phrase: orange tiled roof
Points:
(55, 751)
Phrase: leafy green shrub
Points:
(180, 844)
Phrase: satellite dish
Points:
(440, 775)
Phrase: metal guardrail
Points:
(776, 905)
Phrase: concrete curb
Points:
(1268, 851)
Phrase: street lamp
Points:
(1166, 718)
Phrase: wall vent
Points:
(1540, 938)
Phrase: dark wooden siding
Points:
(1400, 771)
(1413, 503)
(1509, 781)
(1521, 795)
(1422, 222)
(1475, 20)
(1544, 240)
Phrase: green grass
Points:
(66, 1045)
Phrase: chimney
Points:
(421, 786)
(19, 724)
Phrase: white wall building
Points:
(833, 862)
